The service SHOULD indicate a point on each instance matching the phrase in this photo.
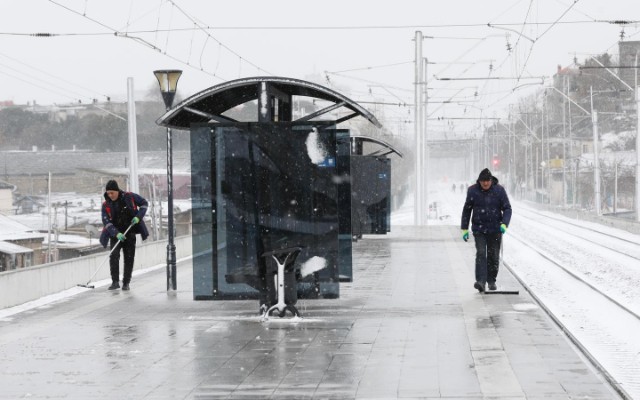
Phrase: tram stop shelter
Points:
(271, 170)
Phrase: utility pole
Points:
(418, 213)
(564, 144)
(574, 186)
(425, 143)
(615, 187)
(637, 144)
(133, 138)
(49, 215)
(527, 157)
(543, 162)
(596, 161)
(509, 154)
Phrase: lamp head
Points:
(168, 80)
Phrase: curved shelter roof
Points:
(208, 105)
(384, 147)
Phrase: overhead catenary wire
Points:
(128, 34)
(118, 33)
(372, 67)
(344, 27)
(40, 86)
(524, 66)
(192, 19)
(66, 81)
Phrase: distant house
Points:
(20, 246)
(27, 205)
(13, 256)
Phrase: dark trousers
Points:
(487, 256)
(128, 248)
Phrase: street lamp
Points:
(168, 80)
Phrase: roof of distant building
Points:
(14, 230)
(11, 248)
(20, 163)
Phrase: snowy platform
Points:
(409, 326)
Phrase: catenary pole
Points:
(596, 161)
(564, 144)
(425, 143)
(417, 196)
(49, 216)
(133, 138)
(637, 144)
(542, 143)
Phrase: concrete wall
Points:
(6, 201)
(20, 286)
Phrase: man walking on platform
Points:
(122, 214)
(487, 207)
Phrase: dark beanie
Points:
(112, 185)
(485, 175)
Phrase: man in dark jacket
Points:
(488, 202)
(121, 210)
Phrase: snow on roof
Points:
(611, 139)
(11, 229)
(71, 241)
(11, 248)
(625, 158)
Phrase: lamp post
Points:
(168, 80)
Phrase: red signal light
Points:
(495, 162)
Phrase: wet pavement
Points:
(410, 326)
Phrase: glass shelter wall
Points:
(371, 195)
(258, 187)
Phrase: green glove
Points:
(120, 237)
(465, 234)
(503, 228)
(135, 220)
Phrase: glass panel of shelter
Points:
(275, 186)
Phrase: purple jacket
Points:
(134, 202)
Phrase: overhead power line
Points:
(302, 28)
(374, 27)
(129, 35)
(64, 88)
(489, 78)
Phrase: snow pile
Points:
(315, 149)
(312, 265)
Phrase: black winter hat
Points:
(112, 185)
(485, 175)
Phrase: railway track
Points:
(585, 278)
(623, 243)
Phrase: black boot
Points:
(114, 285)
(125, 286)
(480, 286)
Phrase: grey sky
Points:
(365, 46)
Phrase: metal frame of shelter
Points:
(274, 102)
